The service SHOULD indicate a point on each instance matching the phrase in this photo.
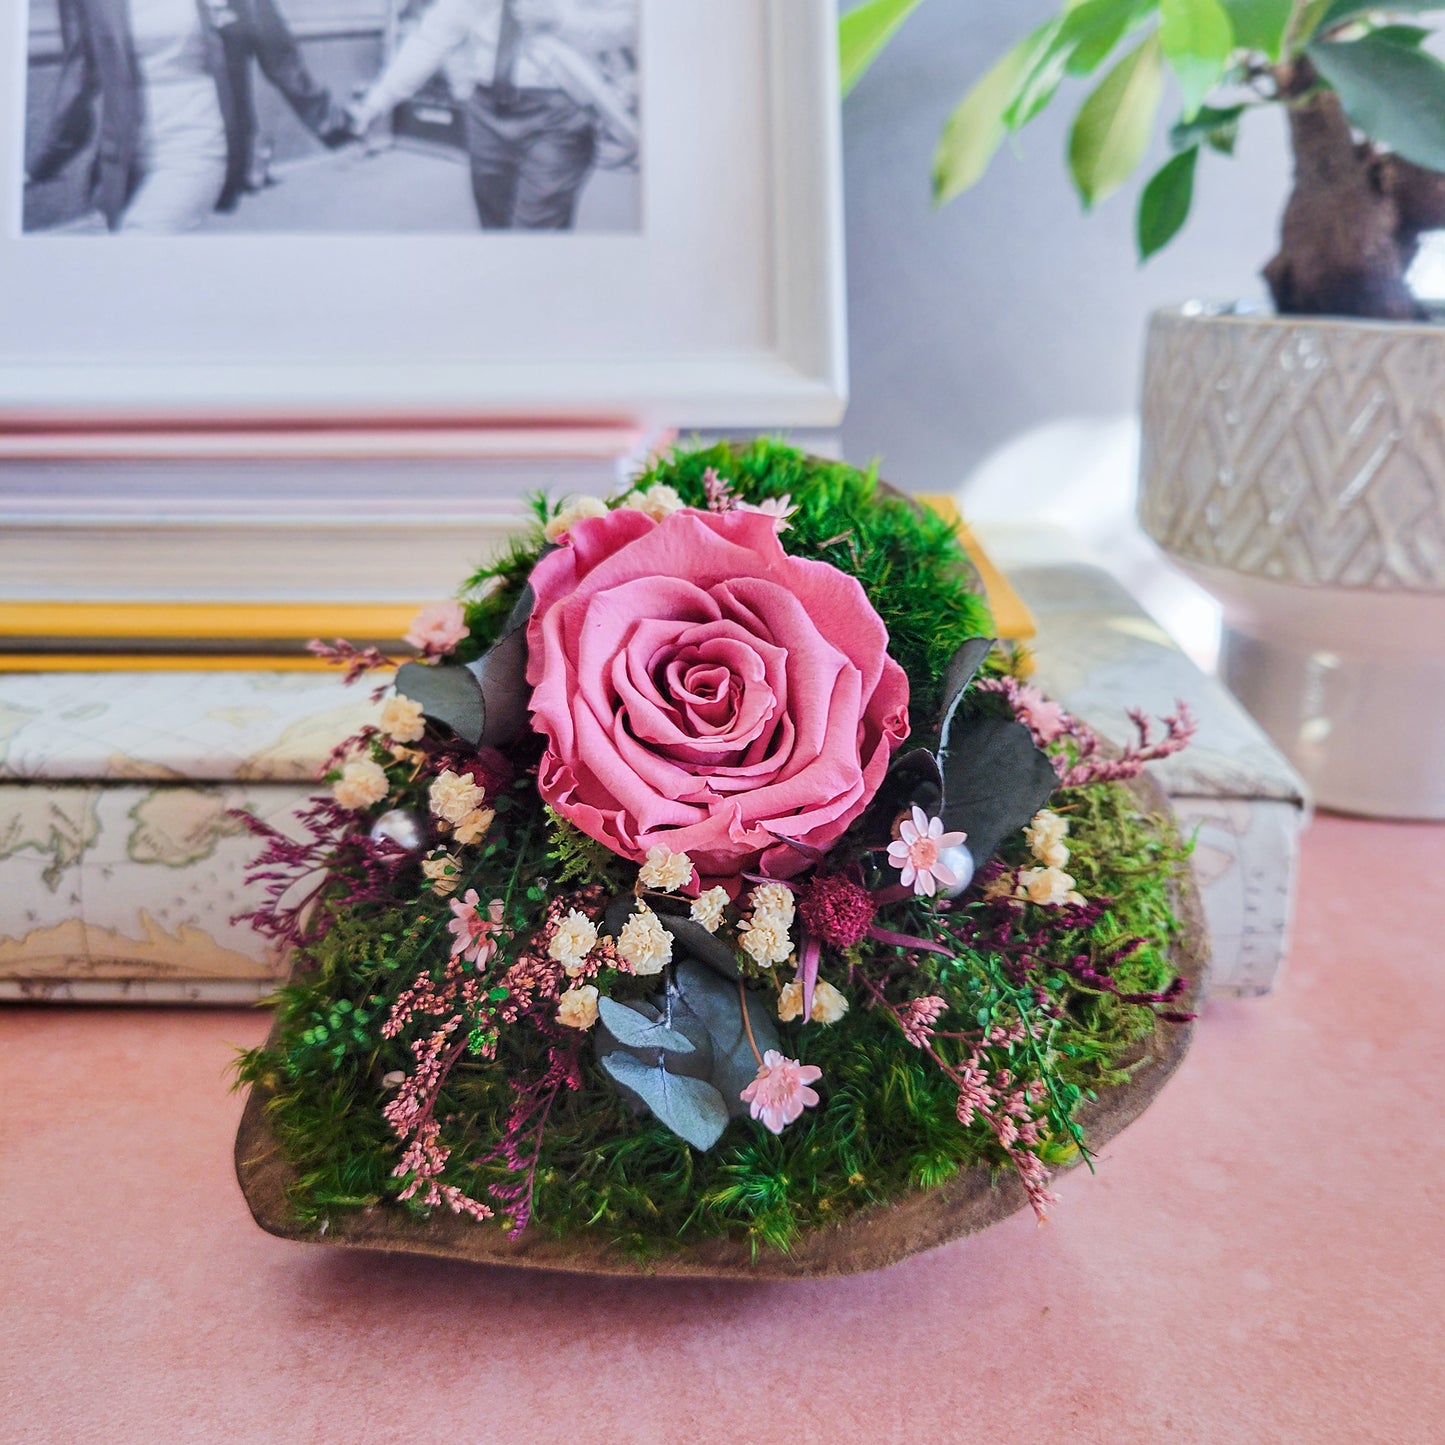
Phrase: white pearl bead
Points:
(401, 826)
(959, 861)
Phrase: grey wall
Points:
(1009, 307)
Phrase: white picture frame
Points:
(725, 310)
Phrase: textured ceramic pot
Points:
(1295, 468)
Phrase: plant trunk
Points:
(1353, 222)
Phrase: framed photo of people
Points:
(286, 210)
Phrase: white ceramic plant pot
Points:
(1295, 467)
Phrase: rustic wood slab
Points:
(868, 1239)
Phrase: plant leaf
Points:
(1165, 202)
(1198, 39)
(962, 668)
(1411, 35)
(1040, 79)
(700, 944)
(995, 779)
(717, 1004)
(634, 1030)
(1218, 129)
(692, 1108)
(975, 130)
(1094, 29)
(863, 33)
(1394, 94)
(1111, 131)
(1260, 24)
(448, 695)
(913, 778)
(502, 672)
(1341, 10)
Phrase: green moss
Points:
(887, 1123)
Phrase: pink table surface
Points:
(1260, 1258)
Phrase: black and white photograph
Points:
(343, 117)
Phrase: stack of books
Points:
(144, 548)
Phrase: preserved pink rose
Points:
(701, 689)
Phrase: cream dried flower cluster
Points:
(443, 871)
(656, 502)
(575, 938)
(665, 871)
(402, 720)
(766, 936)
(362, 784)
(829, 1003)
(1047, 885)
(457, 801)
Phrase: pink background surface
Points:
(1260, 1258)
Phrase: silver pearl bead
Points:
(402, 826)
(960, 862)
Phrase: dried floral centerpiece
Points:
(710, 881)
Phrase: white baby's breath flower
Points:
(454, 798)
(644, 945)
(574, 939)
(473, 828)
(362, 783)
(575, 510)
(707, 908)
(401, 720)
(829, 1003)
(657, 501)
(1048, 887)
(773, 903)
(577, 1008)
(665, 870)
(1045, 835)
(764, 940)
(443, 872)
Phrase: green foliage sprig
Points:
(1227, 58)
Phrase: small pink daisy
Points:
(916, 851)
(472, 933)
(780, 1092)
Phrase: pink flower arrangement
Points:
(918, 852)
(700, 688)
(437, 629)
(780, 1092)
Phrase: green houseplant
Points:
(1293, 463)
(1364, 97)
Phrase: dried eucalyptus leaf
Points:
(451, 696)
(701, 944)
(521, 613)
(717, 1004)
(912, 778)
(634, 1030)
(995, 778)
(501, 672)
(961, 672)
(691, 1108)
(618, 911)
